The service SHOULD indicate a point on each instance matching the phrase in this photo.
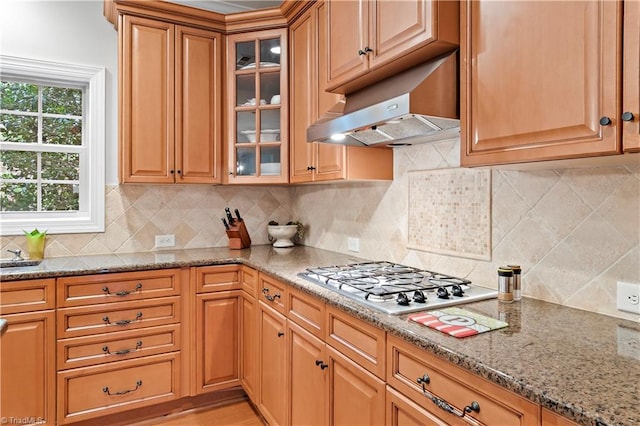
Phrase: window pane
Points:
(62, 131)
(18, 197)
(59, 100)
(60, 166)
(18, 96)
(246, 162)
(60, 197)
(18, 165)
(18, 128)
(245, 55)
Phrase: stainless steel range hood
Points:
(415, 106)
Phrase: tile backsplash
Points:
(575, 232)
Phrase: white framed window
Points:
(52, 146)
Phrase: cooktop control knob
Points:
(457, 290)
(442, 293)
(419, 297)
(402, 299)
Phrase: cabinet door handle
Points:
(364, 51)
(444, 405)
(105, 289)
(627, 116)
(269, 297)
(123, 322)
(321, 364)
(124, 392)
(172, 171)
(310, 168)
(280, 334)
(105, 349)
(605, 121)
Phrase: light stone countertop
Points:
(565, 359)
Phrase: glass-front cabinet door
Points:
(257, 107)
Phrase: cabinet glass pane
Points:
(270, 87)
(270, 125)
(245, 161)
(270, 160)
(246, 90)
(270, 52)
(245, 127)
(245, 55)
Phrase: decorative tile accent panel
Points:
(450, 212)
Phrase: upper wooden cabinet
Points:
(257, 113)
(631, 77)
(170, 106)
(545, 88)
(378, 38)
(314, 162)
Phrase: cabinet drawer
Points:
(118, 346)
(87, 320)
(273, 293)
(250, 280)
(119, 287)
(358, 340)
(455, 386)
(217, 278)
(85, 393)
(26, 296)
(308, 312)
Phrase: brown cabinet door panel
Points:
(357, 396)
(27, 365)
(217, 328)
(401, 411)
(308, 371)
(348, 35)
(536, 89)
(146, 101)
(272, 365)
(198, 106)
(249, 347)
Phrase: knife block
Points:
(238, 235)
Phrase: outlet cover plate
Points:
(628, 297)
(353, 244)
(168, 240)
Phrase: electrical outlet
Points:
(628, 297)
(353, 244)
(628, 342)
(165, 241)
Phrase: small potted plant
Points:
(285, 235)
(35, 243)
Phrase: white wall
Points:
(67, 31)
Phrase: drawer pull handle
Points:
(124, 392)
(444, 405)
(269, 297)
(123, 292)
(123, 322)
(105, 349)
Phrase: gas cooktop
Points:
(396, 289)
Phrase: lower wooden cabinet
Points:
(27, 368)
(307, 397)
(356, 395)
(89, 392)
(217, 330)
(272, 365)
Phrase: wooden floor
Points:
(239, 413)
